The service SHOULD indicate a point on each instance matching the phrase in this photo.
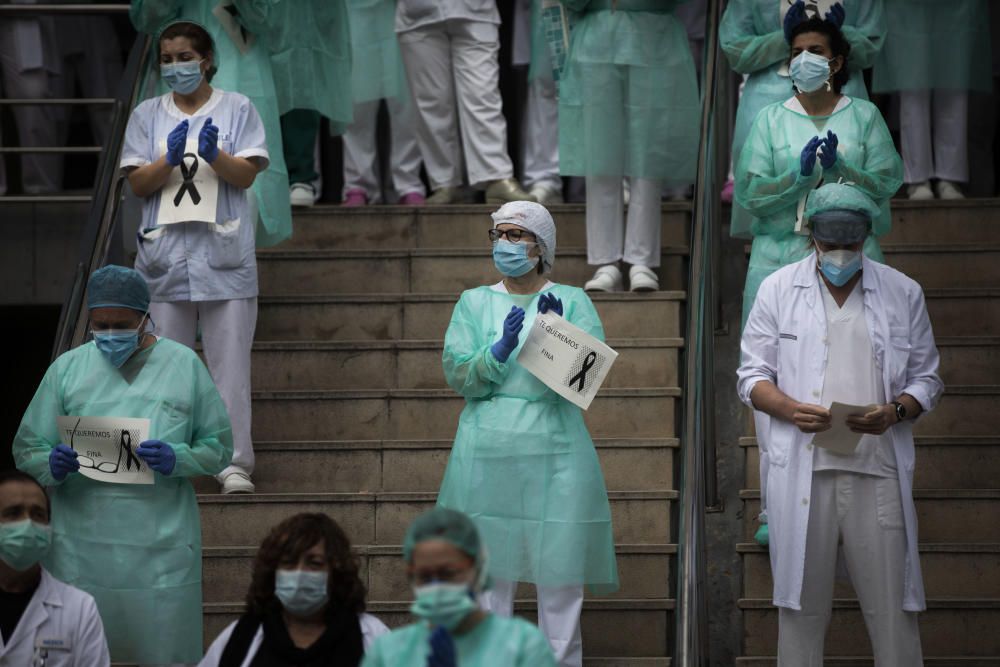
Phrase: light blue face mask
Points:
(118, 345)
(443, 604)
(183, 78)
(511, 259)
(809, 71)
(24, 543)
(839, 266)
(301, 592)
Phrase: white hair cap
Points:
(537, 220)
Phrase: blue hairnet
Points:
(117, 287)
(445, 525)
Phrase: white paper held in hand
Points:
(840, 439)
(566, 358)
(105, 447)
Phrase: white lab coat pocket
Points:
(225, 249)
(781, 438)
(899, 354)
(153, 258)
(889, 504)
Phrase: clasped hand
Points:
(512, 326)
(797, 14)
(810, 153)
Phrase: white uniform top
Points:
(63, 618)
(197, 261)
(411, 14)
(784, 342)
(852, 377)
(371, 629)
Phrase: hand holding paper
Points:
(549, 302)
(158, 455)
(840, 438)
(811, 418)
(62, 461)
(875, 422)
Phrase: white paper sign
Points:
(105, 447)
(191, 191)
(814, 9)
(840, 439)
(566, 358)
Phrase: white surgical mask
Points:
(301, 592)
(809, 71)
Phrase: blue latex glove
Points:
(208, 141)
(512, 325)
(158, 455)
(62, 461)
(828, 157)
(796, 15)
(807, 161)
(176, 142)
(836, 15)
(442, 649)
(549, 302)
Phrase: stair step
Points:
(949, 570)
(426, 316)
(638, 517)
(377, 227)
(942, 462)
(947, 265)
(644, 570)
(381, 271)
(963, 221)
(398, 414)
(944, 515)
(417, 364)
(964, 312)
(969, 359)
(404, 466)
(948, 627)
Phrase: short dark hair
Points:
(16, 475)
(201, 41)
(838, 45)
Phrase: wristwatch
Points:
(900, 410)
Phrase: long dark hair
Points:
(838, 45)
(289, 540)
(201, 41)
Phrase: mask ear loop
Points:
(482, 581)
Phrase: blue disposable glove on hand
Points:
(176, 143)
(549, 302)
(62, 461)
(208, 141)
(442, 649)
(828, 157)
(512, 325)
(796, 15)
(158, 455)
(836, 15)
(807, 161)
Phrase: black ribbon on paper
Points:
(581, 377)
(126, 443)
(187, 173)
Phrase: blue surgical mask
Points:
(24, 543)
(183, 78)
(809, 71)
(118, 345)
(511, 259)
(443, 604)
(839, 266)
(301, 592)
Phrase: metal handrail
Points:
(61, 150)
(53, 8)
(58, 101)
(691, 616)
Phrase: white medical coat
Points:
(58, 611)
(412, 14)
(784, 343)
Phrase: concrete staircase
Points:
(952, 249)
(352, 415)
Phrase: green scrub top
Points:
(246, 72)
(495, 642)
(378, 65)
(135, 548)
(628, 100)
(753, 39)
(523, 466)
(770, 185)
(935, 44)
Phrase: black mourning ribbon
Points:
(187, 173)
(126, 442)
(581, 377)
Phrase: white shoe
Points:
(236, 481)
(546, 195)
(948, 190)
(302, 194)
(920, 191)
(643, 279)
(606, 279)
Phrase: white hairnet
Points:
(537, 220)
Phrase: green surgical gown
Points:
(135, 548)
(377, 63)
(943, 44)
(753, 39)
(495, 642)
(523, 465)
(628, 100)
(246, 72)
(769, 183)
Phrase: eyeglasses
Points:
(124, 447)
(513, 235)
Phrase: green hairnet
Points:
(117, 287)
(840, 214)
(840, 196)
(446, 525)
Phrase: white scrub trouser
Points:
(453, 64)
(866, 513)
(360, 155)
(558, 616)
(605, 234)
(541, 135)
(227, 329)
(946, 155)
